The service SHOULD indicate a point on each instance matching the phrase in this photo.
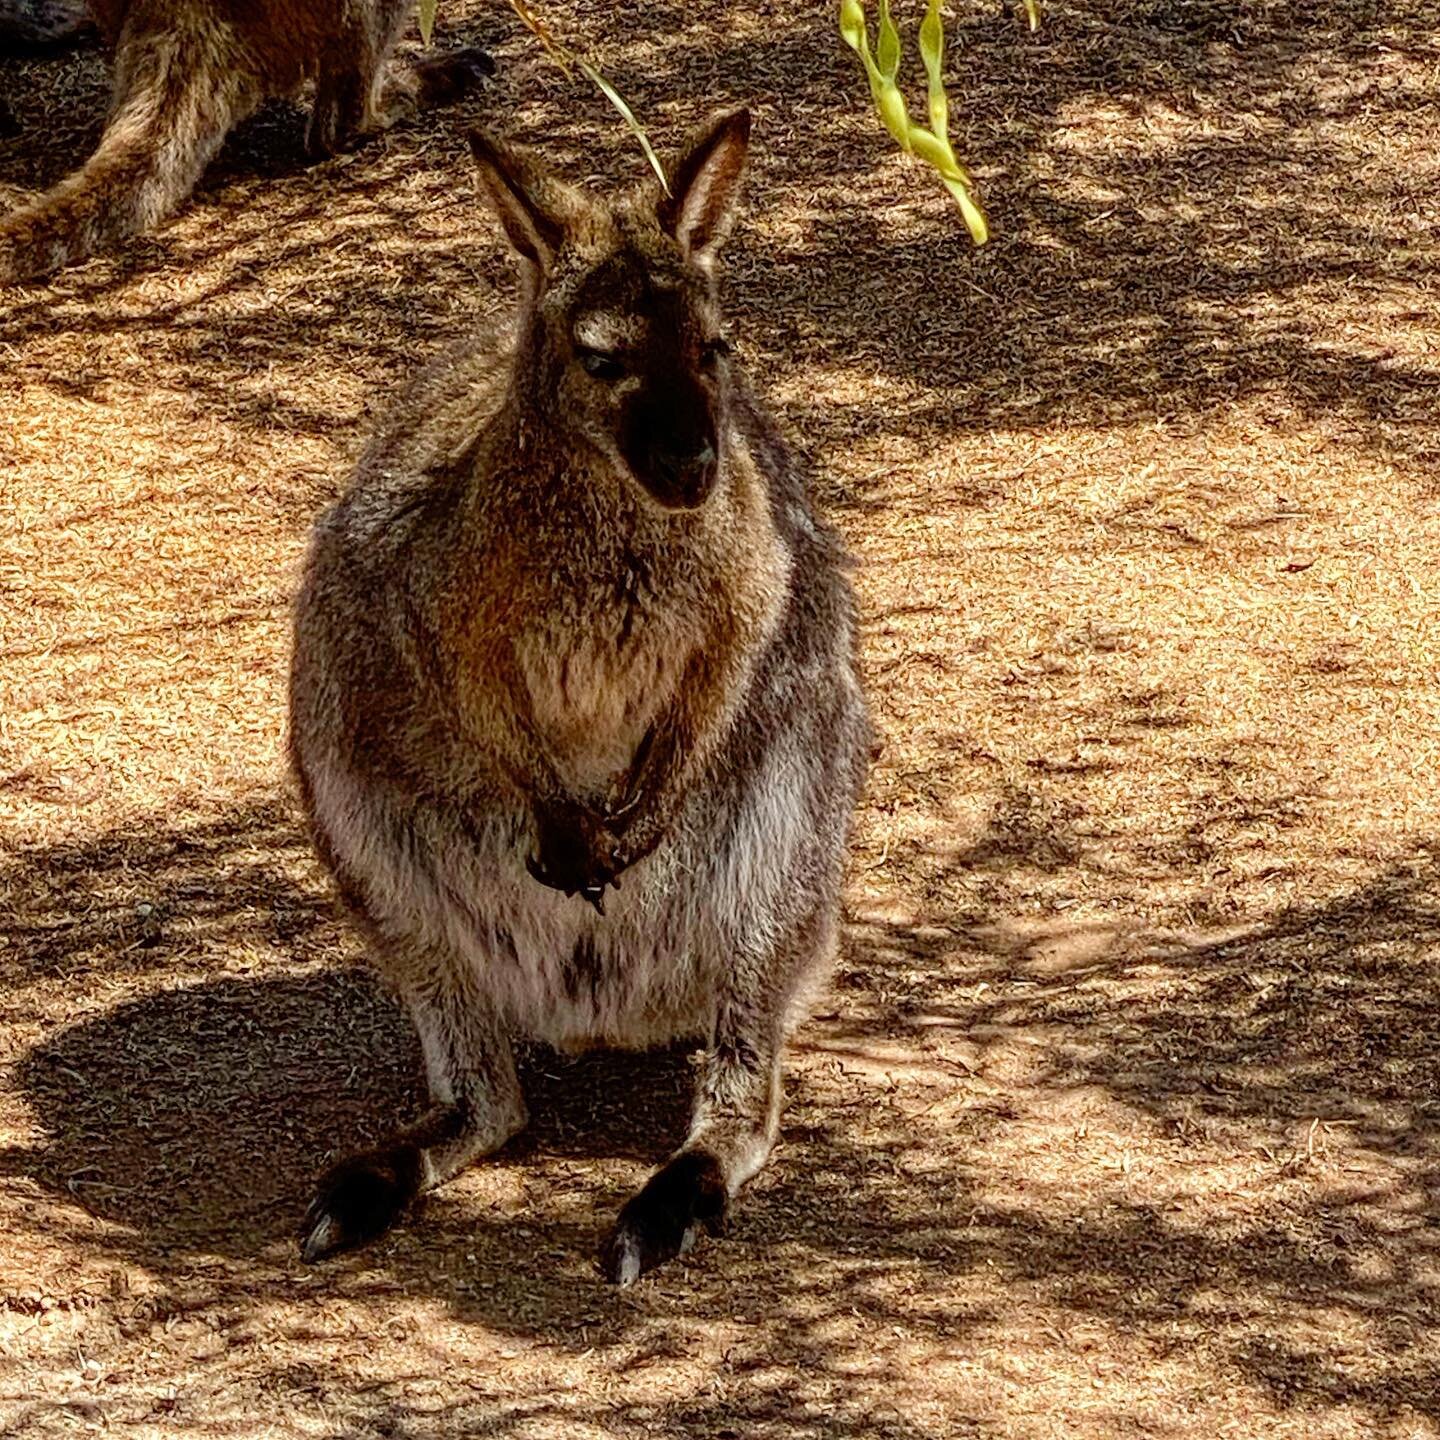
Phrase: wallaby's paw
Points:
(578, 854)
(665, 1218)
(359, 1199)
(446, 78)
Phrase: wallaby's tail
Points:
(176, 97)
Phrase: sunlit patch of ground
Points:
(1121, 1117)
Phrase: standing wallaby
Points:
(186, 72)
(576, 624)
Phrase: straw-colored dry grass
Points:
(1122, 1118)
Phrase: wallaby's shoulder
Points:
(425, 440)
(791, 480)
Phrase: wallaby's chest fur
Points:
(618, 600)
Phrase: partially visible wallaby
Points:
(577, 624)
(186, 72)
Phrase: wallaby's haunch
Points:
(186, 72)
(576, 626)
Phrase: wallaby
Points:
(574, 629)
(186, 72)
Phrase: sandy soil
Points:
(1122, 1117)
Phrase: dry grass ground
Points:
(1122, 1119)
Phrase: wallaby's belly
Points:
(646, 972)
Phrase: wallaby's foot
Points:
(664, 1219)
(337, 117)
(360, 1199)
(446, 78)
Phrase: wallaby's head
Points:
(620, 346)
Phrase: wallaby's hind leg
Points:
(731, 1136)
(733, 1128)
(350, 78)
(338, 114)
(358, 93)
(476, 1107)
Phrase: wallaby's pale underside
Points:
(574, 707)
(185, 73)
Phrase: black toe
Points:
(665, 1218)
(359, 1200)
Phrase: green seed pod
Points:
(852, 26)
(887, 43)
(933, 145)
(932, 52)
(970, 211)
(891, 105)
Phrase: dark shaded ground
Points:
(1121, 1118)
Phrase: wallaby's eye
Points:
(712, 351)
(602, 364)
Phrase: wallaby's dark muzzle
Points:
(670, 444)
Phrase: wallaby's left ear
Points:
(705, 186)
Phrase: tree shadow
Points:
(1165, 269)
(191, 1120)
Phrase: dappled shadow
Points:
(1181, 224)
(192, 1119)
(1310, 1027)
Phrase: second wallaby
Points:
(186, 72)
(574, 704)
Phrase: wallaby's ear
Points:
(514, 185)
(705, 186)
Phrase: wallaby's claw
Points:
(666, 1217)
(358, 1200)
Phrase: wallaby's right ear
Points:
(515, 185)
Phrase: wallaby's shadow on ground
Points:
(157, 1111)
(193, 1117)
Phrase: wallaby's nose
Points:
(687, 473)
(680, 478)
(683, 479)
(669, 439)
